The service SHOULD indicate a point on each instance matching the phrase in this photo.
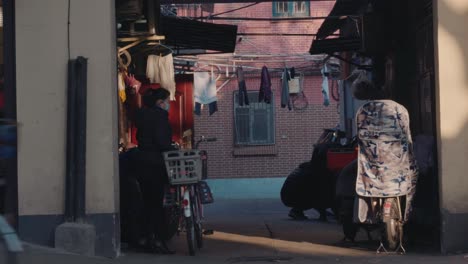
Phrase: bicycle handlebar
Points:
(203, 139)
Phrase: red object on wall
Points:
(181, 112)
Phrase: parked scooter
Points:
(386, 214)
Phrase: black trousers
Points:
(152, 177)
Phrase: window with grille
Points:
(254, 124)
(291, 9)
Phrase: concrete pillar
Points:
(451, 53)
(42, 53)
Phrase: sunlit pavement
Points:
(257, 231)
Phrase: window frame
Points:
(290, 12)
(255, 105)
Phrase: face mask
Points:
(167, 106)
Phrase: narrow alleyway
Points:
(255, 231)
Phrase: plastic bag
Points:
(361, 77)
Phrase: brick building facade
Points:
(295, 131)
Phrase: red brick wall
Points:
(268, 44)
(296, 131)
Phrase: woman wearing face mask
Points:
(154, 137)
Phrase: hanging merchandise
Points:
(133, 85)
(123, 138)
(243, 96)
(204, 92)
(325, 91)
(285, 100)
(160, 69)
(121, 87)
(124, 59)
(265, 86)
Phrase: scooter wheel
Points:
(392, 228)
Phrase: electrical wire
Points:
(229, 11)
(334, 88)
(299, 101)
(305, 19)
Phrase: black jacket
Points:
(154, 132)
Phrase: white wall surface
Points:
(42, 56)
(452, 94)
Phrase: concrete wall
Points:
(451, 39)
(41, 57)
(41, 69)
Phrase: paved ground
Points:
(257, 231)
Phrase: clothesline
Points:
(234, 66)
(302, 59)
(319, 57)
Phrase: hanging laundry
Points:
(204, 92)
(325, 91)
(293, 73)
(265, 86)
(121, 87)
(243, 96)
(160, 69)
(212, 108)
(285, 100)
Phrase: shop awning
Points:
(343, 11)
(191, 34)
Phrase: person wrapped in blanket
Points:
(386, 161)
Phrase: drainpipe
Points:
(75, 183)
(80, 144)
(70, 152)
(75, 235)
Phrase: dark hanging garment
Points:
(293, 73)
(243, 96)
(285, 100)
(265, 86)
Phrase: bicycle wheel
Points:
(196, 212)
(190, 230)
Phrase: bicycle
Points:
(185, 171)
